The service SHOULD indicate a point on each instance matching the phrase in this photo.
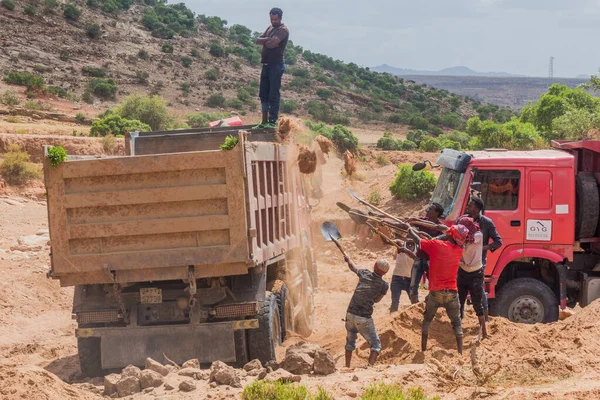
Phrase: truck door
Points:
(502, 191)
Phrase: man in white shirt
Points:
(470, 274)
(401, 277)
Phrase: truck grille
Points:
(96, 317)
(236, 310)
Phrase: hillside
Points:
(199, 63)
(451, 71)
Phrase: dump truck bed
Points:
(150, 217)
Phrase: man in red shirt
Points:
(444, 258)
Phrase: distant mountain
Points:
(452, 71)
(583, 76)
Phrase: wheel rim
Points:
(526, 310)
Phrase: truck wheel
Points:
(527, 300)
(90, 361)
(588, 204)
(304, 319)
(286, 309)
(263, 340)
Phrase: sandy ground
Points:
(38, 355)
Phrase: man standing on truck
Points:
(444, 257)
(488, 230)
(273, 42)
(359, 318)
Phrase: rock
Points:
(13, 202)
(148, 390)
(193, 363)
(156, 367)
(262, 374)
(190, 372)
(213, 385)
(149, 378)
(128, 386)
(131, 370)
(352, 394)
(252, 365)
(223, 374)
(273, 365)
(256, 372)
(30, 243)
(282, 375)
(187, 386)
(110, 384)
(43, 232)
(171, 368)
(355, 378)
(297, 362)
(88, 387)
(324, 363)
(168, 386)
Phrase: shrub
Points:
(302, 73)
(93, 31)
(266, 390)
(236, 65)
(408, 145)
(166, 48)
(324, 93)
(409, 184)
(186, 88)
(186, 61)
(216, 50)
(236, 104)
(109, 144)
(110, 6)
(80, 118)
(57, 155)
(229, 143)
(50, 6)
(212, 75)
(344, 139)
(150, 110)
(418, 122)
(430, 145)
(8, 4)
(116, 125)
(417, 136)
(16, 168)
(102, 88)
(195, 53)
(288, 106)
(381, 160)
(450, 144)
(461, 138)
(26, 79)
(72, 13)
(374, 197)
(243, 95)
(64, 55)
(143, 54)
(29, 10)
(215, 100)
(383, 391)
(97, 72)
(10, 98)
(57, 91)
(202, 119)
(388, 143)
(35, 106)
(142, 77)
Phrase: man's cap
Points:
(382, 265)
(458, 233)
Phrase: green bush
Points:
(288, 106)
(409, 184)
(383, 391)
(419, 122)
(30, 10)
(236, 104)
(64, 55)
(450, 144)
(16, 168)
(143, 54)
(142, 77)
(417, 136)
(408, 145)
(229, 143)
(389, 143)
(186, 61)
(398, 118)
(50, 6)
(97, 72)
(430, 145)
(150, 110)
(102, 88)
(110, 6)
(302, 73)
(214, 25)
(166, 48)
(57, 155)
(186, 88)
(266, 390)
(116, 125)
(8, 4)
(57, 91)
(324, 93)
(344, 139)
(215, 100)
(201, 119)
(72, 13)
(216, 50)
(375, 197)
(459, 137)
(80, 117)
(212, 75)
(10, 98)
(30, 81)
(243, 95)
(93, 31)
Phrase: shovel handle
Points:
(339, 246)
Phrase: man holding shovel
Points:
(359, 318)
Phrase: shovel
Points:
(330, 232)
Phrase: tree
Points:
(150, 110)
(72, 13)
(409, 184)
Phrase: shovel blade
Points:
(358, 216)
(343, 206)
(330, 231)
(352, 193)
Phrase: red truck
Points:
(545, 205)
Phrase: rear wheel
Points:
(286, 308)
(263, 340)
(527, 300)
(588, 205)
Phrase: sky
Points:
(515, 36)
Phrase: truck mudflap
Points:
(121, 346)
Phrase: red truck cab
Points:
(545, 205)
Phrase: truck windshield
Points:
(446, 189)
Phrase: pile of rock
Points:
(306, 358)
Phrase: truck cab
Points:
(540, 202)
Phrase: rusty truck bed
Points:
(150, 217)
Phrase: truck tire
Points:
(588, 205)
(527, 300)
(286, 308)
(90, 361)
(304, 319)
(263, 340)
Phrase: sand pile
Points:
(307, 159)
(325, 144)
(349, 163)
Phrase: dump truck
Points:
(545, 205)
(180, 249)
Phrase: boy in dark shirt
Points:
(273, 41)
(359, 318)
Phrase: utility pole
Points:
(551, 69)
